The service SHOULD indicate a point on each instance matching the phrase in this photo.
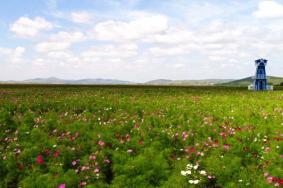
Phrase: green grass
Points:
(139, 136)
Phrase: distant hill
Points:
(206, 82)
(54, 80)
(247, 81)
(99, 81)
(188, 82)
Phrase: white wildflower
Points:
(202, 172)
(185, 173)
(189, 166)
(196, 182)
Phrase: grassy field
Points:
(134, 136)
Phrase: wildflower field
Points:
(137, 136)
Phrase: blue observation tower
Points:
(260, 78)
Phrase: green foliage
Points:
(114, 136)
(148, 169)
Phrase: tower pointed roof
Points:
(260, 61)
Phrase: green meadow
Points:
(140, 136)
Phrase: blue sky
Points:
(139, 40)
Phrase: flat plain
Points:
(140, 136)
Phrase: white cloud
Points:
(19, 51)
(64, 58)
(25, 27)
(52, 46)
(110, 52)
(60, 41)
(140, 27)
(216, 41)
(5, 51)
(171, 36)
(10, 55)
(269, 9)
(81, 17)
(183, 49)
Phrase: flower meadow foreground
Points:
(122, 136)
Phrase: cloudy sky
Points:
(139, 40)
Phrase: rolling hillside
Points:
(247, 81)
(188, 82)
(54, 80)
(206, 82)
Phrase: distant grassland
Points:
(140, 136)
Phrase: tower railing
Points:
(260, 77)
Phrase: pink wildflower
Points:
(74, 163)
(176, 135)
(223, 134)
(83, 168)
(63, 185)
(83, 183)
(56, 154)
(226, 146)
(92, 157)
(96, 170)
(184, 135)
(106, 161)
(101, 143)
(39, 159)
(269, 179)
